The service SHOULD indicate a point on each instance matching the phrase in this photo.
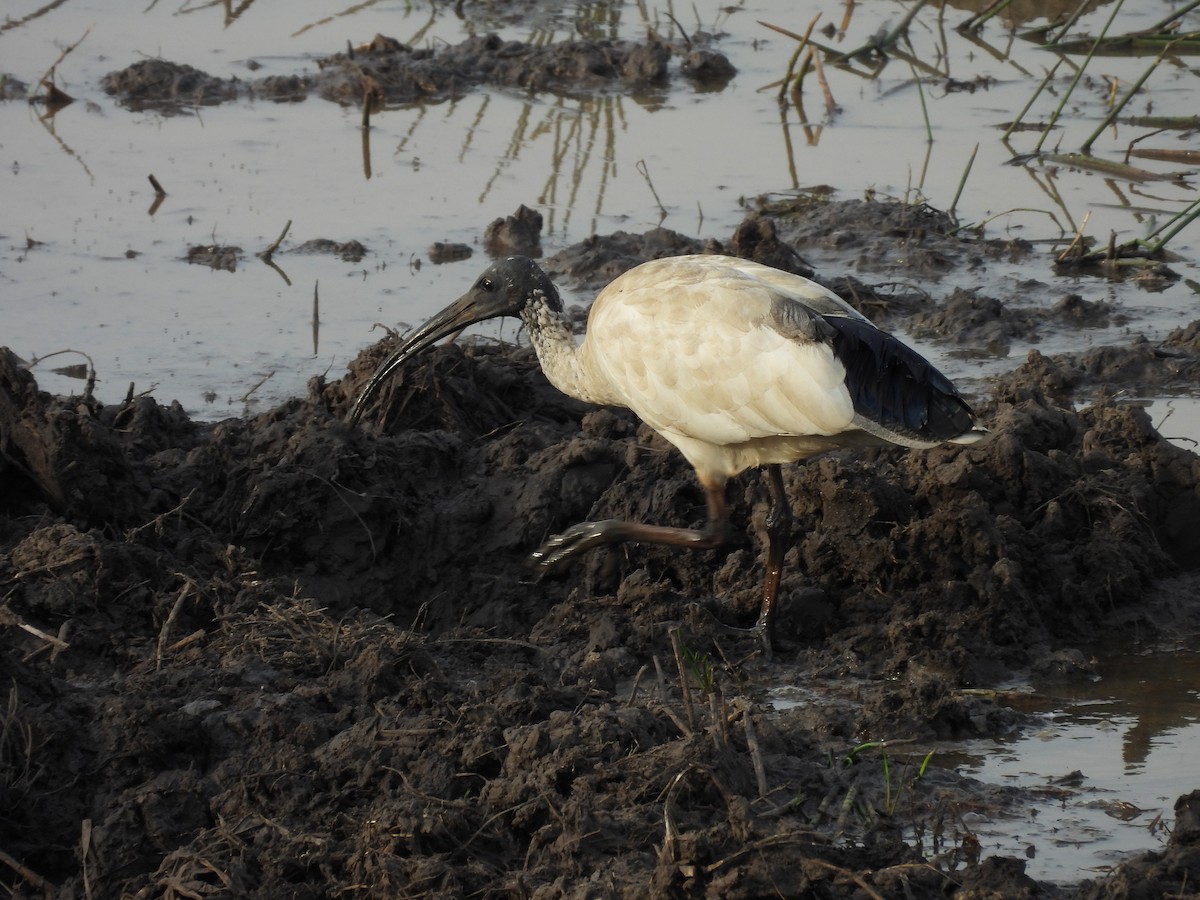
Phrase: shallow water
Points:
(108, 277)
(1095, 781)
(1177, 419)
(1104, 768)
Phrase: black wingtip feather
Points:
(894, 386)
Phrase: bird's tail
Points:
(976, 434)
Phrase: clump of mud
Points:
(215, 256)
(520, 234)
(12, 88)
(385, 71)
(350, 251)
(277, 655)
(160, 84)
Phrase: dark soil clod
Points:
(276, 655)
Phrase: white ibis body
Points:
(735, 363)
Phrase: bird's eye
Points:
(486, 284)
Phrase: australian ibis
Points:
(735, 363)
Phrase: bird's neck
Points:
(564, 362)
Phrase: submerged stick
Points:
(1172, 18)
(1110, 167)
(1041, 87)
(641, 167)
(316, 316)
(982, 16)
(246, 396)
(802, 40)
(268, 255)
(1180, 123)
(91, 367)
(962, 182)
(830, 104)
(159, 195)
(887, 40)
(1181, 221)
(798, 82)
(1070, 23)
(1116, 110)
(55, 96)
(269, 252)
(1183, 157)
(924, 108)
(1079, 74)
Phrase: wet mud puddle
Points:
(1176, 418)
(1093, 781)
(1103, 770)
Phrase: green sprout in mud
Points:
(895, 785)
(700, 664)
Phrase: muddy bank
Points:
(277, 656)
(386, 72)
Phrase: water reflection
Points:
(923, 44)
(1024, 12)
(614, 159)
(581, 134)
(1104, 768)
(1155, 692)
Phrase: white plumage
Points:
(690, 349)
(735, 363)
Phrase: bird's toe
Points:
(562, 547)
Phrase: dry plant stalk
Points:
(845, 873)
(803, 42)
(56, 644)
(56, 98)
(165, 631)
(684, 687)
(269, 252)
(85, 853)
(637, 680)
(26, 873)
(760, 770)
(830, 104)
(720, 734)
(1075, 248)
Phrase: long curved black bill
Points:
(458, 315)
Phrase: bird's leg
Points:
(588, 535)
(779, 528)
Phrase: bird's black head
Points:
(507, 286)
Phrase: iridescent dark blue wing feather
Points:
(894, 386)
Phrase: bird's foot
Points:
(760, 630)
(575, 540)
